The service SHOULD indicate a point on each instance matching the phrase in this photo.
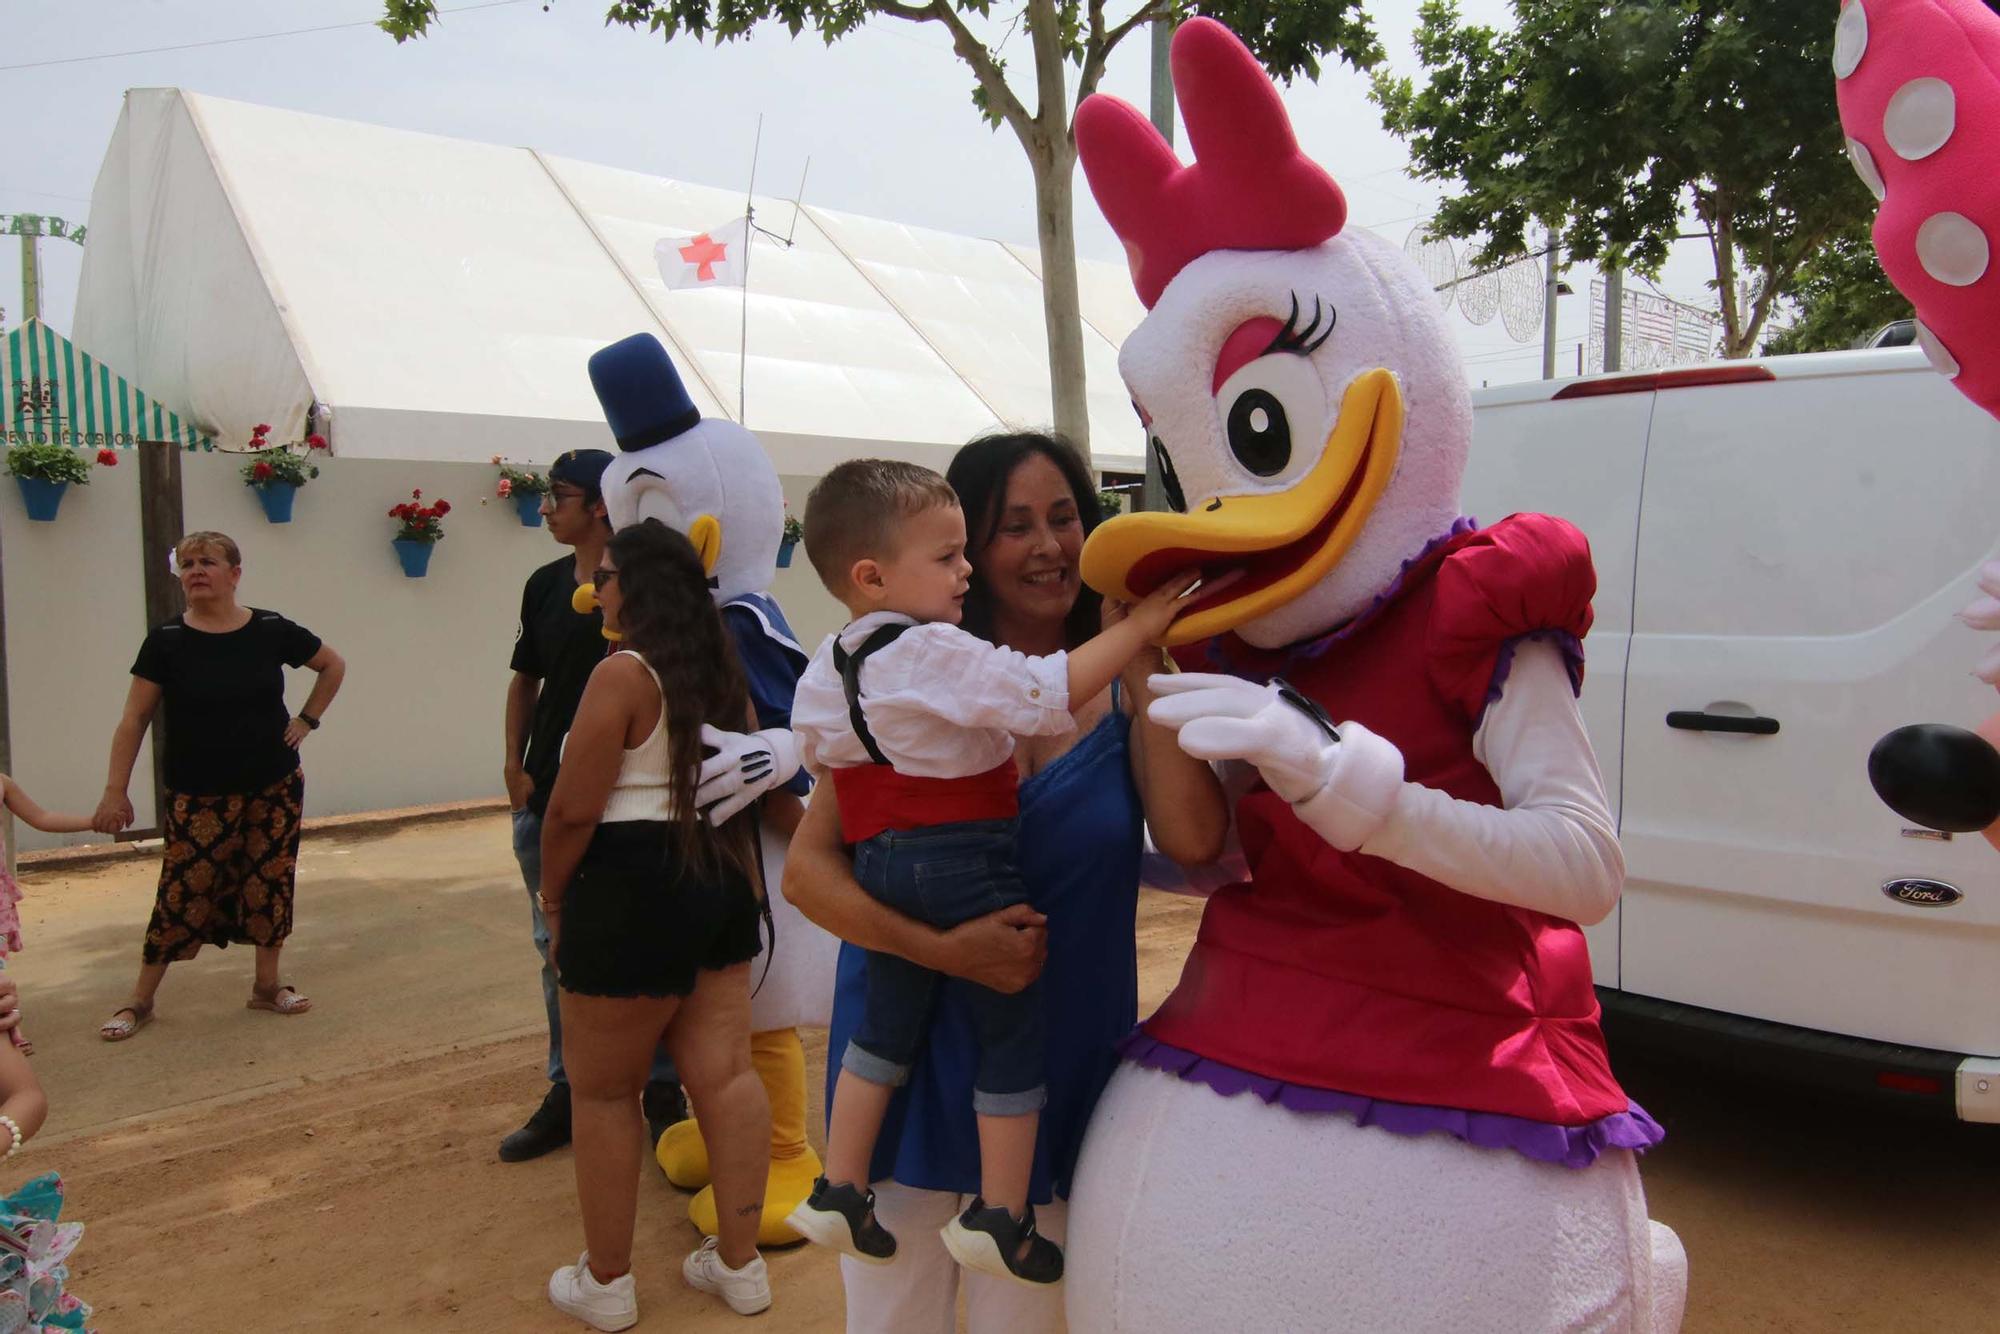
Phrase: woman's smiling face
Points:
(1030, 565)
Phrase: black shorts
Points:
(637, 921)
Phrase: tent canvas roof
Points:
(53, 392)
(440, 297)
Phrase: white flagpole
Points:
(749, 227)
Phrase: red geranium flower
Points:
(443, 507)
(315, 441)
(260, 429)
(107, 458)
(262, 472)
(417, 494)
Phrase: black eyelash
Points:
(1304, 341)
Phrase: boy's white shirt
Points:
(940, 701)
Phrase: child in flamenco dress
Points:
(49, 822)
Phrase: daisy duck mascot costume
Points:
(1378, 1098)
(712, 481)
(1919, 89)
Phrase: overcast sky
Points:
(885, 116)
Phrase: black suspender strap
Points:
(849, 667)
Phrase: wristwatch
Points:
(309, 721)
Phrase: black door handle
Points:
(1693, 720)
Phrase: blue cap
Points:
(584, 468)
(641, 392)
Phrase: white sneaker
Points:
(747, 1290)
(574, 1290)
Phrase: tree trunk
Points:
(1055, 228)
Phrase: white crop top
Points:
(644, 790)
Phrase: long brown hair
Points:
(666, 613)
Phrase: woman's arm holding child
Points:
(49, 822)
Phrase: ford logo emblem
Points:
(1923, 893)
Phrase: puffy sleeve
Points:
(965, 680)
(1527, 577)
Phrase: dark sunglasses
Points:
(599, 578)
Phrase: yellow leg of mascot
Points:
(780, 1059)
(801, 994)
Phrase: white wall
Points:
(76, 612)
(419, 717)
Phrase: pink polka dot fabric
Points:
(1919, 89)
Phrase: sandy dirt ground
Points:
(336, 1171)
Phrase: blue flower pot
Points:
(276, 498)
(416, 556)
(785, 554)
(42, 498)
(529, 507)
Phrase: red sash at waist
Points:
(875, 798)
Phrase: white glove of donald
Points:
(744, 767)
(1342, 782)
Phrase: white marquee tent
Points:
(439, 298)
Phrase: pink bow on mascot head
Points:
(1919, 89)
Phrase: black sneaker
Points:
(547, 1129)
(843, 1218)
(664, 1104)
(990, 1240)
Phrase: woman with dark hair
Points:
(654, 916)
(1029, 501)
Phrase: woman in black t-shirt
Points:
(234, 790)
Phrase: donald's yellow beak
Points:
(1258, 552)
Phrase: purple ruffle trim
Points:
(1313, 648)
(1568, 644)
(1565, 1146)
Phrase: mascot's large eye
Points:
(1269, 404)
(1170, 482)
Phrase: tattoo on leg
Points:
(749, 1209)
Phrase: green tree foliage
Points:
(1843, 297)
(1619, 117)
(1290, 37)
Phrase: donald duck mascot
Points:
(712, 481)
(1379, 1097)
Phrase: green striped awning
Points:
(53, 392)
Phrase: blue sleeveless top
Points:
(1081, 838)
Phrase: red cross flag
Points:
(713, 258)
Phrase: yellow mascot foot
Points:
(682, 1155)
(780, 1061)
(790, 1182)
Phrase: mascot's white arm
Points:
(1550, 847)
(744, 767)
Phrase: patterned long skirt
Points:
(228, 872)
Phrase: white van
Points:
(1780, 549)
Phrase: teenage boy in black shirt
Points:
(555, 650)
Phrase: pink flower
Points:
(506, 488)
(496, 460)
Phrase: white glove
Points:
(744, 767)
(1985, 615)
(1342, 789)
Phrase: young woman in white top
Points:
(654, 917)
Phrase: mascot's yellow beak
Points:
(706, 535)
(1258, 552)
(584, 602)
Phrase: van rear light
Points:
(1652, 381)
(1898, 1082)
